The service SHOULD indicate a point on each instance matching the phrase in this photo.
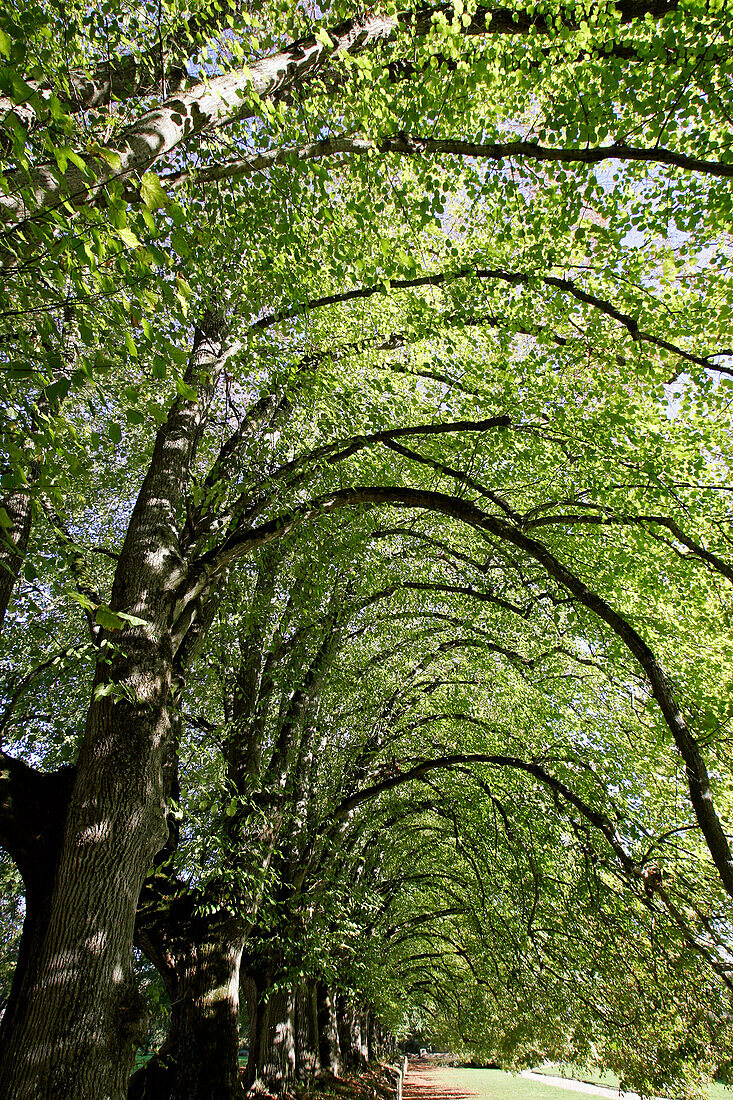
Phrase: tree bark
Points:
(364, 1015)
(223, 99)
(200, 1057)
(328, 1031)
(254, 986)
(206, 107)
(33, 807)
(272, 1037)
(307, 1046)
(13, 543)
(353, 1044)
(81, 1014)
(374, 1040)
(409, 145)
(114, 80)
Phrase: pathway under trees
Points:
(366, 559)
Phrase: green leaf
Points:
(112, 157)
(152, 191)
(184, 390)
(128, 238)
(65, 153)
(133, 620)
(57, 391)
(83, 601)
(108, 619)
(180, 242)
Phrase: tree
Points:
(277, 646)
(530, 264)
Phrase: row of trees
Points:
(364, 574)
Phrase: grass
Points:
(141, 1059)
(716, 1091)
(494, 1084)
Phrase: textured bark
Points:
(374, 1041)
(225, 98)
(33, 809)
(200, 1057)
(80, 1015)
(351, 1021)
(169, 929)
(198, 958)
(13, 544)
(419, 146)
(206, 107)
(252, 986)
(272, 1037)
(363, 1052)
(328, 1031)
(122, 78)
(307, 1046)
(248, 995)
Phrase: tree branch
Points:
(407, 145)
(223, 99)
(608, 519)
(697, 774)
(513, 278)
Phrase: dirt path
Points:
(423, 1083)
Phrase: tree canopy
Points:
(365, 576)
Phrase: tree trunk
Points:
(200, 1057)
(206, 107)
(82, 1014)
(374, 1031)
(255, 989)
(353, 1046)
(328, 1031)
(363, 1015)
(13, 543)
(272, 1039)
(307, 1052)
(33, 807)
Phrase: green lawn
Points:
(494, 1084)
(141, 1059)
(554, 1069)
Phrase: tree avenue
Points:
(365, 563)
